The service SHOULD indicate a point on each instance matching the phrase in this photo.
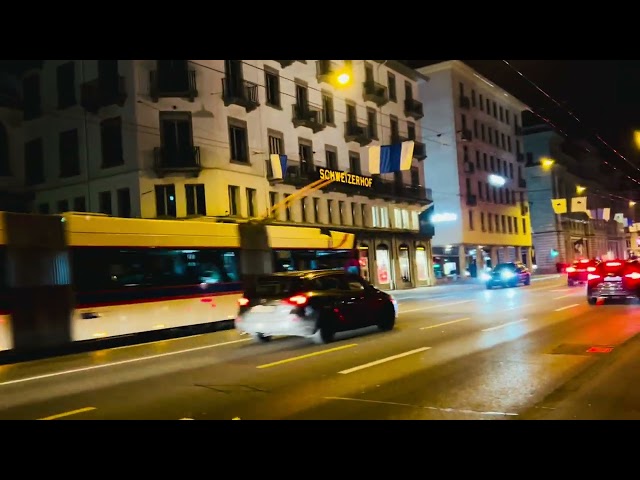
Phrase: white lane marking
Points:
(436, 306)
(563, 296)
(567, 307)
(384, 360)
(447, 410)
(445, 323)
(121, 362)
(504, 325)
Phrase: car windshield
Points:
(274, 286)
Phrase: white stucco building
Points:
(475, 170)
(180, 138)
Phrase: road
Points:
(457, 353)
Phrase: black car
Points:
(313, 304)
(614, 279)
(509, 274)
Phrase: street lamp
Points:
(343, 78)
(547, 162)
(632, 203)
(580, 189)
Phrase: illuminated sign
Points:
(344, 177)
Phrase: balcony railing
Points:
(325, 70)
(375, 92)
(419, 148)
(357, 132)
(285, 63)
(99, 93)
(181, 84)
(301, 174)
(308, 116)
(242, 93)
(183, 160)
(413, 108)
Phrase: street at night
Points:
(457, 352)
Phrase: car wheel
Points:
(325, 332)
(387, 319)
(262, 338)
(592, 301)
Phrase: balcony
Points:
(99, 93)
(308, 116)
(375, 92)
(285, 63)
(520, 157)
(325, 69)
(413, 108)
(298, 174)
(472, 200)
(173, 85)
(522, 183)
(419, 150)
(465, 102)
(241, 93)
(356, 132)
(182, 161)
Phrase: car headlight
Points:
(507, 275)
(484, 276)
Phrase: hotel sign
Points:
(344, 177)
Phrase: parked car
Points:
(509, 274)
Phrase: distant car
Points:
(312, 304)
(508, 275)
(579, 270)
(614, 279)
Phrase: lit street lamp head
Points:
(343, 78)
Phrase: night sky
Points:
(603, 94)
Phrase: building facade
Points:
(557, 168)
(184, 138)
(475, 171)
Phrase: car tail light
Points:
(243, 302)
(591, 269)
(592, 276)
(298, 300)
(613, 264)
(571, 270)
(633, 275)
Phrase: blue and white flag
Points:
(390, 158)
(278, 165)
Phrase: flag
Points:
(278, 165)
(619, 217)
(579, 204)
(390, 158)
(559, 205)
(606, 214)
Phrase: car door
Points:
(355, 302)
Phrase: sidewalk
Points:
(467, 282)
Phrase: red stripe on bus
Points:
(154, 300)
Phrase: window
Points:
(111, 138)
(471, 220)
(331, 155)
(372, 124)
(63, 206)
(316, 209)
(69, 152)
(515, 224)
(99, 269)
(363, 214)
(480, 190)
(234, 200)
(411, 131)
(252, 198)
(34, 162)
(196, 201)
(524, 226)
(273, 200)
(483, 225)
(32, 105)
(272, 88)
(391, 86)
(124, 202)
(5, 163)
(275, 143)
(330, 213)
(354, 163)
(238, 141)
(327, 107)
(354, 213)
(104, 202)
(66, 84)
(340, 212)
(79, 204)
(166, 201)
(394, 128)
(305, 150)
(287, 209)
(415, 176)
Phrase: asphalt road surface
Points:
(458, 352)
